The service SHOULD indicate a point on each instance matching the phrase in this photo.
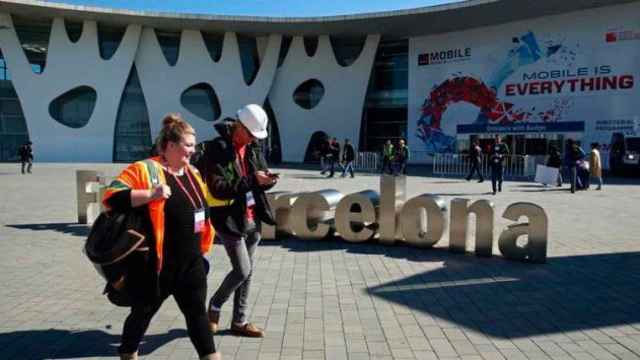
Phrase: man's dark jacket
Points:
(348, 153)
(220, 169)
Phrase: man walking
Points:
(402, 157)
(26, 156)
(499, 151)
(572, 156)
(334, 149)
(237, 176)
(325, 154)
(348, 156)
(387, 158)
(475, 157)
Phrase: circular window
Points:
(201, 100)
(74, 108)
(309, 94)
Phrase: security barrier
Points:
(515, 166)
(367, 161)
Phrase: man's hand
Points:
(265, 179)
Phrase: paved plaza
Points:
(334, 300)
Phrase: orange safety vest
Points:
(144, 175)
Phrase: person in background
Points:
(595, 164)
(26, 156)
(555, 161)
(387, 158)
(499, 151)
(237, 176)
(402, 157)
(173, 197)
(475, 157)
(348, 156)
(334, 149)
(572, 156)
(325, 154)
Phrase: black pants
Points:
(496, 176)
(573, 176)
(27, 163)
(332, 166)
(475, 167)
(387, 166)
(189, 289)
(402, 167)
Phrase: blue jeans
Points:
(349, 167)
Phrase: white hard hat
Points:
(255, 119)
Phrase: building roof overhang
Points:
(451, 17)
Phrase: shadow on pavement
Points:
(503, 298)
(461, 194)
(66, 344)
(510, 300)
(74, 229)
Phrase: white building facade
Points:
(92, 85)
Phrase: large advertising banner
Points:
(575, 74)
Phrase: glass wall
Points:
(385, 109)
(34, 37)
(170, 44)
(347, 49)
(109, 39)
(132, 138)
(13, 127)
(249, 57)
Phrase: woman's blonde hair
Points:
(173, 129)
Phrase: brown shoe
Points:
(248, 330)
(214, 319)
(130, 356)
(214, 356)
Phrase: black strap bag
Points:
(115, 237)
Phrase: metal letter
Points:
(312, 211)
(536, 230)
(393, 190)
(418, 211)
(281, 204)
(346, 217)
(483, 210)
(85, 195)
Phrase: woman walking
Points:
(595, 164)
(172, 196)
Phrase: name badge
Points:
(250, 200)
(198, 221)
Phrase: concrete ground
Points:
(333, 300)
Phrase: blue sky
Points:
(284, 8)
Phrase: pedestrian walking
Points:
(25, 152)
(348, 156)
(401, 157)
(475, 158)
(572, 156)
(595, 164)
(555, 161)
(237, 176)
(325, 154)
(387, 157)
(172, 197)
(334, 149)
(499, 151)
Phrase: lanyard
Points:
(187, 193)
